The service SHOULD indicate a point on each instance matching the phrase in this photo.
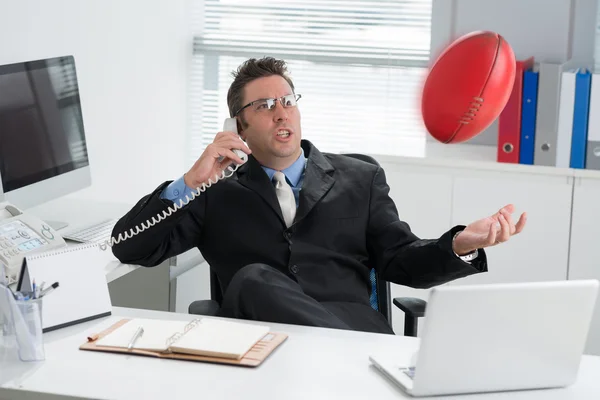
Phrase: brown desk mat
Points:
(253, 358)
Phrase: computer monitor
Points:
(43, 150)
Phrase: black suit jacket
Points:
(345, 224)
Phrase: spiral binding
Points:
(61, 250)
(176, 336)
(168, 212)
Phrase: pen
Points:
(33, 289)
(48, 289)
(139, 332)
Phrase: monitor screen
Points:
(41, 124)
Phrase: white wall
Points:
(132, 61)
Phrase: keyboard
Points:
(96, 233)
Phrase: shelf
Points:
(479, 158)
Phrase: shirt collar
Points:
(293, 173)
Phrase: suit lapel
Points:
(318, 180)
(255, 178)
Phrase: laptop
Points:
(497, 337)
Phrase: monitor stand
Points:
(57, 225)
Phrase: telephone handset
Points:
(22, 234)
(230, 125)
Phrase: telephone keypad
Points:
(16, 237)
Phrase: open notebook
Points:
(204, 337)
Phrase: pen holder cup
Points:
(28, 329)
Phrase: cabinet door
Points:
(584, 262)
(540, 252)
(190, 280)
(412, 188)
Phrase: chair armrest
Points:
(412, 306)
(204, 307)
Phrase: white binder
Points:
(565, 120)
(592, 160)
(548, 111)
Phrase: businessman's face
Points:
(273, 134)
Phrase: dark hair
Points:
(250, 70)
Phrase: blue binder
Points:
(528, 116)
(583, 81)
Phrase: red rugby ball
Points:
(468, 86)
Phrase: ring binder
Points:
(176, 336)
(259, 352)
(69, 249)
(211, 337)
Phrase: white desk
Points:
(312, 363)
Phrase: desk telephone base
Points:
(22, 234)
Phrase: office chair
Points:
(380, 296)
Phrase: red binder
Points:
(509, 121)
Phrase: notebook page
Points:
(219, 338)
(82, 292)
(154, 338)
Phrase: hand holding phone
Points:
(219, 160)
(226, 149)
(230, 125)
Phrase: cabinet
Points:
(585, 238)
(432, 196)
(423, 197)
(190, 280)
(541, 251)
(145, 288)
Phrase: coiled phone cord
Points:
(169, 211)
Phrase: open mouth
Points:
(283, 133)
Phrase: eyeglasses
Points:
(261, 105)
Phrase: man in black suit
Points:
(293, 233)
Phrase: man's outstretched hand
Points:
(489, 231)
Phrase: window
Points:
(359, 65)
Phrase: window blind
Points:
(359, 66)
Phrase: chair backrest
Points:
(380, 296)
